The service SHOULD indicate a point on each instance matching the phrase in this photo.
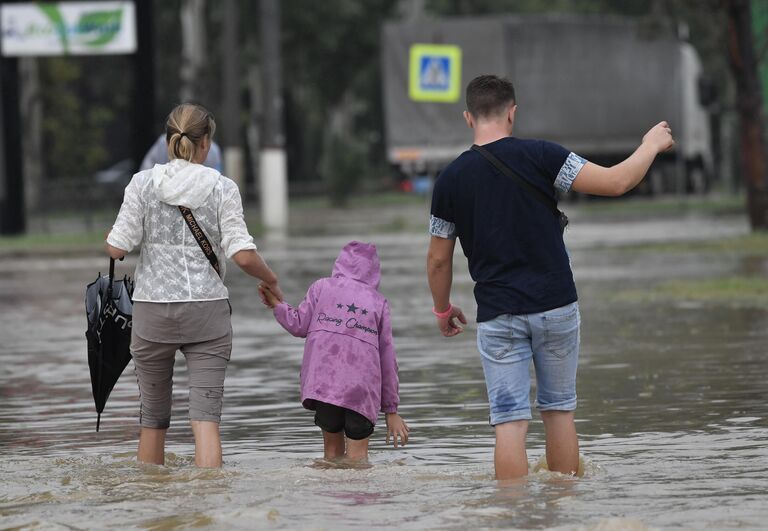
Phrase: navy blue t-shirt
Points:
(512, 241)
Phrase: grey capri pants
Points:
(202, 331)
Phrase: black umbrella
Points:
(109, 308)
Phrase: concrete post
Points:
(273, 169)
(230, 90)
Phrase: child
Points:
(349, 371)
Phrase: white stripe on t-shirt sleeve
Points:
(441, 228)
(569, 171)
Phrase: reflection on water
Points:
(672, 414)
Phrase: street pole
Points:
(12, 212)
(273, 166)
(144, 82)
(233, 150)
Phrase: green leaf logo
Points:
(54, 15)
(102, 25)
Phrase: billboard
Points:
(67, 28)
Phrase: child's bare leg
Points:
(357, 450)
(562, 441)
(509, 457)
(333, 444)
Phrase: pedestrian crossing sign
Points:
(435, 73)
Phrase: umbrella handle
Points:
(111, 277)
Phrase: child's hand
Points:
(267, 297)
(396, 426)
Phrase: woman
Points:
(180, 301)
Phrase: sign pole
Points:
(12, 213)
(144, 82)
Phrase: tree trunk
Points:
(743, 62)
(193, 50)
(32, 131)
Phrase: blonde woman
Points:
(180, 301)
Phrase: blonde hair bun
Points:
(187, 125)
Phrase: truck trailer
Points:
(594, 84)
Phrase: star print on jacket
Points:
(352, 308)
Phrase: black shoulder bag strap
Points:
(200, 238)
(535, 192)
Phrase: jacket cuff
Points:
(115, 240)
(236, 248)
(389, 409)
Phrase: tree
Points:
(743, 61)
(333, 82)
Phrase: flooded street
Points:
(673, 404)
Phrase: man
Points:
(158, 154)
(525, 293)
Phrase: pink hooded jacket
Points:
(349, 356)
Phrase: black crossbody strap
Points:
(506, 170)
(200, 238)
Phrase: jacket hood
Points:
(183, 183)
(359, 261)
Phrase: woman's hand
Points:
(268, 296)
(396, 426)
(114, 252)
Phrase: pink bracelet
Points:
(443, 315)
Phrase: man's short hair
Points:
(489, 96)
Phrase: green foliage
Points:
(331, 55)
(333, 46)
(760, 29)
(479, 7)
(86, 125)
(343, 168)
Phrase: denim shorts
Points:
(509, 342)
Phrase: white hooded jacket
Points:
(172, 267)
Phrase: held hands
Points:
(660, 137)
(396, 426)
(446, 322)
(270, 295)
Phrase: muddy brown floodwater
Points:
(673, 409)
